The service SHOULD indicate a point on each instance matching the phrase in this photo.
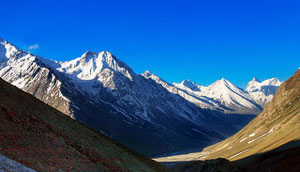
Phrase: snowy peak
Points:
(193, 86)
(262, 92)
(222, 88)
(255, 85)
(221, 84)
(7, 50)
(91, 64)
(273, 81)
(88, 56)
(147, 74)
(188, 85)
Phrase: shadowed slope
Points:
(42, 138)
(277, 160)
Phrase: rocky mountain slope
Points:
(42, 138)
(104, 93)
(276, 126)
(222, 95)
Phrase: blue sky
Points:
(198, 40)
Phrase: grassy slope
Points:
(42, 138)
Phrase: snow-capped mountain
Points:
(141, 111)
(263, 92)
(188, 85)
(222, 95)
(270, 142)
(252, 100)
(231, 96)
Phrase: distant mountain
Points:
(270, 140)
(104, 93)
(223, 95)
(40, 137)
(263, 92)
(278, 124)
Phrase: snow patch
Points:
(251, 135)
(62, 96)
(243, 139)
(75, 107)
(267, 133)
(238, 154)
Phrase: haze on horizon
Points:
(199, 41)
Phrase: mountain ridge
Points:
(104, 93)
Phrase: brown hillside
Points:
(42, 138)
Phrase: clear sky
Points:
(198, 40)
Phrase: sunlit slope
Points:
(279, 123)
(42, 138)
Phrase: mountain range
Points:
(143, 111)
(222, 95)
(270, 142)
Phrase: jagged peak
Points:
(272, 81)
(188, 83)
(91, 54)
(91, 64)
(147, 73)
(87, 53)
(253, 86)
(7, 49)
(222, 82)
